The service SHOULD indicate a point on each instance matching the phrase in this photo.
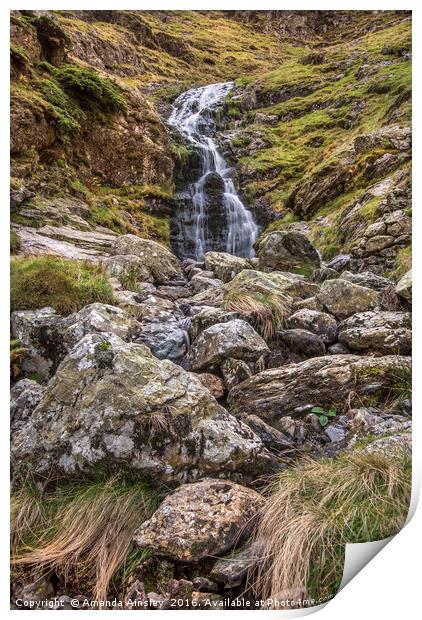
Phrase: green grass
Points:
(66, 285)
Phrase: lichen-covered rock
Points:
(200, 520)
(230, 572)
(368, 279)
(327, 381)
(287, 251)
(166, 340)
(236, 338)
(24, 397)
(206, 317)
(404, 286)
(385, 332)
(201, 283)
(343, 298)
(390, 136)
(128, 268)
(98, 317)
(272, 438)
(161, 264)
(225, 266)
(234, 371)
(319, 323)
(113, 404)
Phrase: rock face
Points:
(24, 397)
(236, 339)
(161, 264)
(127, 268)
(385, 332)
(319, 323)
(343, 298)
(115, 405)
(326, 381)
(200, 520)
(287, 251)
(225, 266)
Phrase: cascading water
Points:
(210, 215)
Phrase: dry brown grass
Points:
(314, 509)
(266, 313)
(83, 533)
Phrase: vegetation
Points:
(266, 311)
(65, 285)
(315, 508)
(82, 532)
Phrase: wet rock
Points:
(343, 298)
(230, 572)
(328, 381)
(225, 266)
(207, 317)
(287, 251)
(213, 383)
(235, 338)
(384, 332)
(404, 286)
(319, 323)
(114, 404)
(161, 264)
(166, 340)
(234, 371)
(24, 397)
(200, 520)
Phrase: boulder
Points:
(343, 298)
(206, 317)
(201, 283)
(200, 520)
(294, 345)
(272, 438)
(98, 318)
(383, 332)
(404, 286)
(234, 372)
(339, 262)
(328, 381)
(319, 323)
(24, 397)
(225, 266)
(287, 251)
(263, 286)
(129, 269)
(166, 340)
(160, 263)
(235, 338)
(230, 572)
(113, 404)
(368, 279)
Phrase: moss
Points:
(402, 264)
(104, 345)
(18, 55)
(15, 242)
(66, 285)
(67, 113)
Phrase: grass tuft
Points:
(266, 311)
(65, 285)
(315, 508)
(81, 532)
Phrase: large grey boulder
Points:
(161, 264)
(368, 279)
(166, 340)
(200, 520)
(385, 332)
(201, 283)
(128, 268)
(48, 337)
(319, 323)
(206, 317)
(225, 266)
(343, 298)
(287, 251)
(113, 405)
(328, 381)
(235, 338)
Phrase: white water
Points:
(192, 117)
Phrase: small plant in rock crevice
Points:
(324, 415)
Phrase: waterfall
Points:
(211, 215)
